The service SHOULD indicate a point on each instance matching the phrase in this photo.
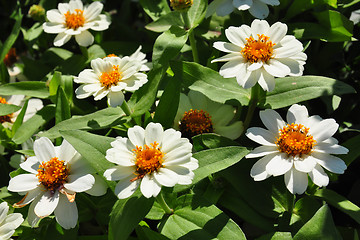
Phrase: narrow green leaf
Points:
(126, 215)
(54, 83)
(104, 118)
(340, 202)
(19, 118)
(62, 106)
(167, 108)
(4, 74)
(196, 13)
(290, 90)
(155, 8)
(215, 160)
(31, 89)
(31, 126)
(320, 226)
(210, 83)
(6, 109)
(354, 151)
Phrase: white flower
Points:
(34, 105)
(73, 19)
(259, 53)
(109, 77)
(150, 158)
(297, 148)
(8, 223)
(257, 8)
(197, 114)
(55, 175)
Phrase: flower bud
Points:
(180, 5)
(37, 12)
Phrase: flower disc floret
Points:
(258, 50)
(195, 122)
(53, 174)
(74, 20)
(108, 79)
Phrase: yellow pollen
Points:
(74, 20)
(148, 160)
(294, 140)
(5, 118)
(111, 55)
(53, 174)
(255, 50)
(195, 122)
(110, 79)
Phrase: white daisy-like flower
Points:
(259, 53)
(34, 105)
(55, 175)
(197, 114)
(109, 77)
(150, 158)
(8, 222)
(298, 148)
(73, 19)
(257, 8)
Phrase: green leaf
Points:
(19, 118)
(165, 22)
(155, 8)
(354, 151)
(290, 90)
(300, 6)
(6, 109)
(5, 48)
(33, 33)
(196, 12)
(31, 89)
(167, 108)
(98, 120)
(200, 221)
(320, 226)
(340, 203)
(338, 24)
(126, 215)
(212, 140)
(276, 236)
(4, 74)
(62, 106)
(210, 83)
(91, 146)
(304, 210)
(31, 126)
(215, 160)
(145, 233)
(95, 51)
(54, 83)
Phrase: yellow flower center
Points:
(5, 118)
(110, 79)
(74, 20)
(148, 160)
(195, 122)
(111, 55)
(53, 174)
(255, 50)
(181, 4)
(294, 140)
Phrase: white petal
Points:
(32, 218)
(252, 79)
(258, 170)
(44, 149)
(262, 151)
(297, 114)
(229, 57)
(226, 47)
(153, 133)
(166, 177)
(75, 4)
(53, 27)
(305, 164)
(79, 183)
(238, 35)
(84, 39)
(4, 209)
(266, 81)
(99, 188)
(61, 39)
(254, 66)
(149, 187)
(330, 148)
(23, 183)
(115, 98)
(66, 213)
(46, 204)
(137, 136)
(125, 188)
(277, 32)
(259, 10)
(329, 162)
(295, 67)
(119, 173)
(122, 157)
(29, 197)
(279, 164)
(319, 177)
(272, 120)
(261, 136)
(259, 26)
(276, 68)
(102, 22)
(242, 4)
(295, 181)
(324, 129)
(173, 140)
(31, 165)
(14, 220)
(233, 69)
(81, 93)
(93, 10)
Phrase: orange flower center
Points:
(53, 174)
(110, 79)
(10, 57)
(295, 140)
(148, 160)
(74, 20)
(5, 118)
(255, 50)
(195, 122)
(111, 55)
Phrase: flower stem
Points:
(254, 97)
(160, 199)
(191, 36)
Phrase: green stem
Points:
(191, 36)
(160, 199)
(254, 97)
(125, 107)
(186, 19)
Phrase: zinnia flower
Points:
(73, 19)
(55, 175)
(34, 105)
(197, 114)
(300, 147)
(8, 223)
(109, 77)
(259, 53)
(257, 8)
(150, 158)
